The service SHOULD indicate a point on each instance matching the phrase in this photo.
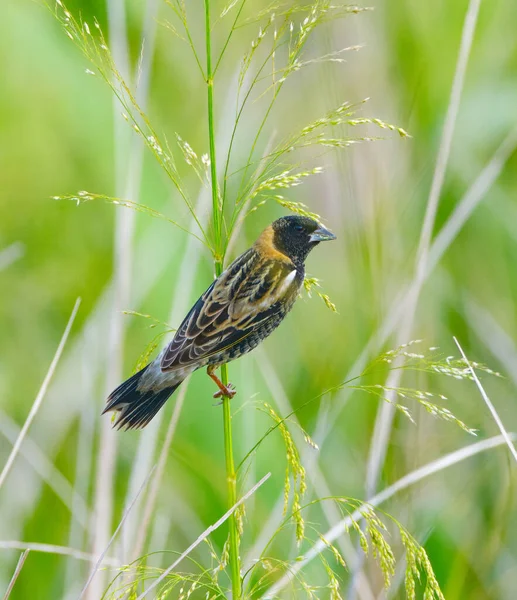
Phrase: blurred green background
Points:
(61, 131)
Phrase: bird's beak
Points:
(322, 235)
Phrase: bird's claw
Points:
(228, 392)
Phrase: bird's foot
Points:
(227, 391)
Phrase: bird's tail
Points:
(136, 407)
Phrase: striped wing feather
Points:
(240, 301)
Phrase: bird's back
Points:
(242, 307)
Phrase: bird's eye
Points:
(298, 227)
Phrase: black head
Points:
(296, 236)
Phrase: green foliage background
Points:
(57, 135)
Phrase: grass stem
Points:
(217, 220)
(216, 209)
(39, 398)
(16, 573)
(231, 479)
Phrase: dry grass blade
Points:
(150, 503)
(53, 549)
(83, 471)
(385, 415)
(103, 553)
(205, 534)
(129, 164)
(488, 402)
(45, 468)
(40, 396)
(471, 199)
(408, 480)
(467, 36)
(16, 573)
(11, 254)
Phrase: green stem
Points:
(216, 212)
(217, 219)
(231, 480)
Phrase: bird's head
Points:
(295, 236)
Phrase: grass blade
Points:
(16, 573)
(488, 402)
(103, 553)
(11, 254)
(54, 549)
(205, 534)
(384, 421)
(39, 398)
(47, 471)
(150, 503)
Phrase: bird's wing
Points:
(243, 298)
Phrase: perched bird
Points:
(240, 309)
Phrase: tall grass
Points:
(269, 175)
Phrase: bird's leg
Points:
(224, 390)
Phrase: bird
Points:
(242, 307)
